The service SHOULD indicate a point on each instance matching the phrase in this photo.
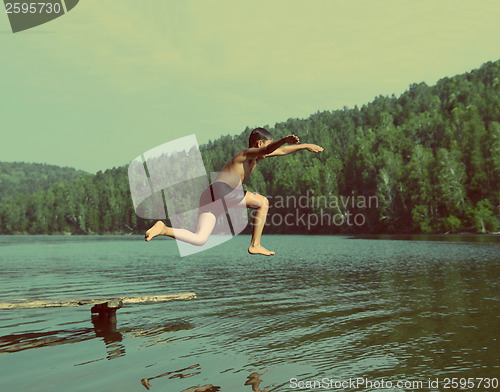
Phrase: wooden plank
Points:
(159, 298)
(31, 304)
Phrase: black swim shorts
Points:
(228, 197)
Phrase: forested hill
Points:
(426, 161)
(18, 178)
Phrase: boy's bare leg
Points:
(206, 224)
(254, 200)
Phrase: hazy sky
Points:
(99, 86)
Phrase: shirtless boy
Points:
(261, 145)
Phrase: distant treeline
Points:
(24, 178)
(431, 159)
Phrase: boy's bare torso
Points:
(237, 169)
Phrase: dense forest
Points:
(426, 161)
(24, 178)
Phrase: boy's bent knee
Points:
(200, 241)
(265, 202)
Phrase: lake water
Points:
(326, 310)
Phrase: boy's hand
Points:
(292, 139)
(314, 148)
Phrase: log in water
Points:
(43, 303)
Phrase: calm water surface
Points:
(379, 308)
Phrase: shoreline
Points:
(68, 234)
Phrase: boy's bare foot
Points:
(155, 231)
(259, 250)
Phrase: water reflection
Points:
(103, 327)
(179, 374)
(204, 388)
(25, 341)
(254, 381)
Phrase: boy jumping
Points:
(261, 146)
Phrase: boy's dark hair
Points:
(258, 134)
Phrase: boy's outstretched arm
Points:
(265, 151)
(285, 150)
